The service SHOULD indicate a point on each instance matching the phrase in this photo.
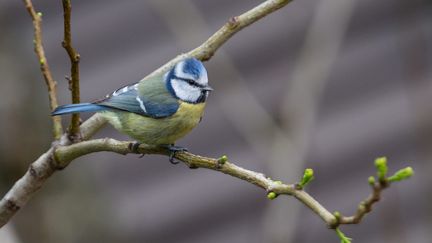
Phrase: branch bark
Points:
(39, 171)
(74, 59)
(44, 67)
(365, 206)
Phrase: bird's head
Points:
(188, 81)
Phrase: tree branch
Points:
(44, 67)
(207, 49)
(64, 155)
(74, 78)
(60, 156)
(377, 187)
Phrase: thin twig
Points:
(74, 78)
(364, 206)
(44, 67)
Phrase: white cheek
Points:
(185, 91)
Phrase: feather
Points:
(76, 108)
(149, 97)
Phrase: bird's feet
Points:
(134, 148)
(173, 149)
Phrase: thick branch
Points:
(44, 67)
(39, 171)
(27, 186)
(74, 58)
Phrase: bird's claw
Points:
(172, 160)
(134, 148)
(173, 149)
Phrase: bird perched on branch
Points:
(158, 110)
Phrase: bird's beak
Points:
(207, 88)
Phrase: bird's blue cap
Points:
(192, 69)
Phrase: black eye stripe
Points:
(190, 81)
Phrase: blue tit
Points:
(158, 110)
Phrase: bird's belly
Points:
(161, 130)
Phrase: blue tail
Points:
(76, 108)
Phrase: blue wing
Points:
(157, 103)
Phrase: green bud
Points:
(381, 165)
(308, 172)
(402, 174)
(39, 14)
(222, 159)
(271, 195)
(307, 177)
(42, 61)
(278, 182)
(342, 236)
(371, 180)
(337, 214)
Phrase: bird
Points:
(156, 110)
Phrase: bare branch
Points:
(40, 170)
(365, 206)
(207, 49)
(64, 155)
(60, 156)
(26, 186)
(74, 78)
(44, 67)
(235, 24)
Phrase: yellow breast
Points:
(157, 131)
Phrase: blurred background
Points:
(326, 84)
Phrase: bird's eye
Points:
(190, 81)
